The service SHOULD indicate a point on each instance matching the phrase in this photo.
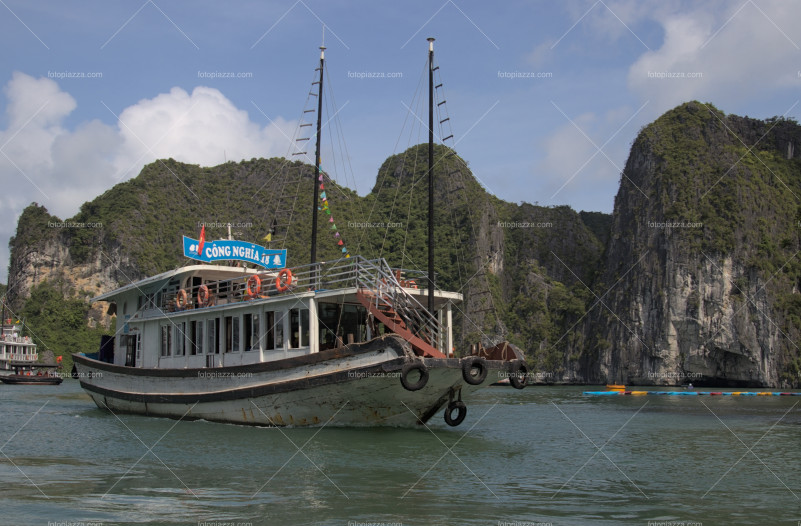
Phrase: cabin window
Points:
(256, 332)
(279, 330)
(196, 337)
(353, 324)
(236, 334)
(166, 340)
(139, 301)
(294, 328)
(269, 331)
(298, 328)
(229, 334)
(180, 339)
(304, 327)
(329, 315)
(212, 344)
(247, 331)
(232, 332)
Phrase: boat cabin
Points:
(219, 316)
(15, 350)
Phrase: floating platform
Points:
(690, 393)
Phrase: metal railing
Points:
(19, 357)
(387, 291)
(387, 287)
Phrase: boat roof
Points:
(154, 283)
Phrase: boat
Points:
(17, 352)
(19, 359)
(32, 378)
(351, 342)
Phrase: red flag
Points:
(202, 240)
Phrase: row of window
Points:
(17, 349)
(230, 334)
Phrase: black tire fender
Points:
(419, 384)
(456, 405)
(518, 374)
(474, 362)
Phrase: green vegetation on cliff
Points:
(706, 233)
(59, 324)
(134, 230)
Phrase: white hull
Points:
(358, 385)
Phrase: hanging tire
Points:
(518, 374)
(474, 362)
(456, 405)
(421, 382)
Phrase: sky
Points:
(545, 98)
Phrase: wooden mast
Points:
(317, 158)
(431, 175)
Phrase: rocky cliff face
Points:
(695, 277)
(701, 272)
(497, 254)
(40, 252)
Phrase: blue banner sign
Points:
(224, 249)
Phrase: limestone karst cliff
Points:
(694, 278)
(700, 278)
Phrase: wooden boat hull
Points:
(16, 379)
(356, 385)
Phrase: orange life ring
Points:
(284, 280)
(181, 299)
(203, 295)
(254, 285)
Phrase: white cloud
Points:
(43, 161)
(741, 50)
(202, 128)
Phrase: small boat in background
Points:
(16, 351)
(616, 387)
(33, 378)
(19, 360)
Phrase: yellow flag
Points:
(268, 237)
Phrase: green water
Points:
(520, 457)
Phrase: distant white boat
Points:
(19, 359)
(16, 351)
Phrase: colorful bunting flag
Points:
(325, 206)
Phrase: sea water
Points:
(544, 455)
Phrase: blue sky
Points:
(94, 90)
